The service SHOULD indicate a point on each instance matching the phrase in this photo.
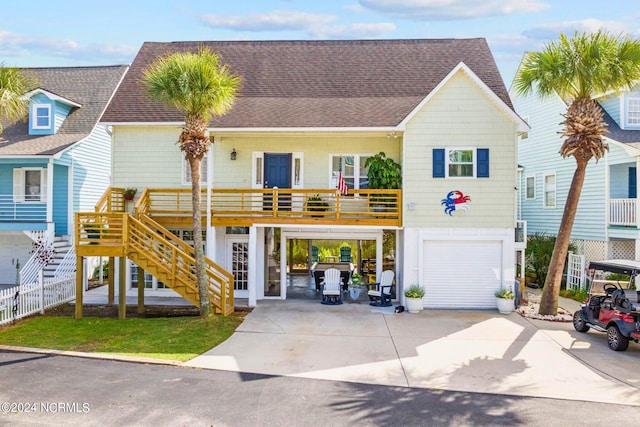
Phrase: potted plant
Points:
(505, 300)
(94, 230)
(316, 204)
(385, 174)
(355, 286)
(414, 295)
(130, 193)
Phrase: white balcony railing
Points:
(11, 211)
(623, 212)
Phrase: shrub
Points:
(415, 291)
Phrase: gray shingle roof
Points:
(91, 87)
(361, 83)
(618, 134)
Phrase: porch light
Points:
(234, 154)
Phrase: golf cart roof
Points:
(621, 266)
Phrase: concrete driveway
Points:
(474, 351)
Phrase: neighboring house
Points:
(306, 111)
(606, 223)
(54, 163)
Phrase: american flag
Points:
(342, 185)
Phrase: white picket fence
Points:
(36, 297)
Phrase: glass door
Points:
(238, 264)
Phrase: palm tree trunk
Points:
(201, 273)
(551, 291)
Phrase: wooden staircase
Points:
(156, 250)
(172, 261)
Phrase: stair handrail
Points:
(220, 281)
(68, 263)
(40, 256)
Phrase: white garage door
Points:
(461, 274)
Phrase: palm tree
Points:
(199, 86)
(13, 86)
(577, 69)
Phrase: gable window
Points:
(186, 175)
(353, 171)
(460, 162)
(29, 185)
(41, 116)
(550, 190)
(530, 188)
(633, 111)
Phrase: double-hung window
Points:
(633, 111)
(41, 116)
(353, 171)
(550, 190)
(29, 185)
(460, 162)
(186, 175)
(530, 187)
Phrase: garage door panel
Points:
(461, 274)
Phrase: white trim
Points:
(526, 187)
(356, 168)
(376, 129)
(34, 116)
(474, 162)
(515, 118)
(257, 181)
(544, 190)
(300, 157)
(53, 97)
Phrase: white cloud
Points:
(315, 25)
(550, 32)
(273, 21)
(19, 45)
(452, 9)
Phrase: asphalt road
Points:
(46, 390)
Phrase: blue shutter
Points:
(482, 162)
(438, 162)
(633, 187)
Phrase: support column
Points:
(79, 287)
(112, 278)
(140, 290)
(122, 293)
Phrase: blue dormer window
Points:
(41, 116)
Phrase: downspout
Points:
(210, 236)
(50, 224)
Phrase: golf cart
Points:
(613, 306)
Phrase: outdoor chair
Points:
(380, 293)
(332, 287)
(345, 254)
(314, 254)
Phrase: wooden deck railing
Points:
(309, 206)
(157, 250)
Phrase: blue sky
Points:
(79, 32)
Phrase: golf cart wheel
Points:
(579, 323)
(616, 341)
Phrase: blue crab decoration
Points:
(455, 201)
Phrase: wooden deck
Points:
(245, 207)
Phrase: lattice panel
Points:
(622, 249)
(593, 250)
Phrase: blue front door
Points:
(277, 173)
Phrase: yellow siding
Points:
(460, 115)
(315, 148)
(149, 156)
(146, 157)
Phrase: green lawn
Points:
(172, 338)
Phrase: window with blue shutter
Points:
(438, 163)
(633, 187)
(482, 160)
(461, 162)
